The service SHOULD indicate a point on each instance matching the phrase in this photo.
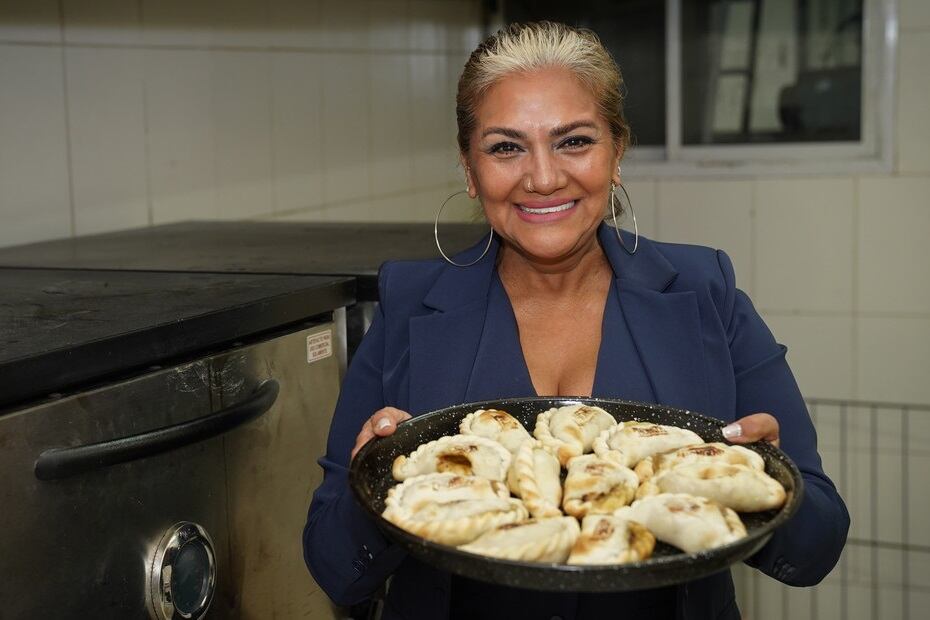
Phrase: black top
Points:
(252, 247)
(61, 328)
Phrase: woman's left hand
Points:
(754, 427)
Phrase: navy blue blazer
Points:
(676, 331)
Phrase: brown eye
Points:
(576, 142)
(504, 148)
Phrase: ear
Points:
(615, 171)
(469, 177)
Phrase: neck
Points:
(565, 276)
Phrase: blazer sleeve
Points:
(343, 548)
(803, 551)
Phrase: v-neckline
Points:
(525, 367)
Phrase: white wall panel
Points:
(242, 117)
(105, 94)
(345, 127)
(34, 194)
(181, 133)
(717, 214)
(298, 132)
(804, 245)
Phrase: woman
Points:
(559, 304)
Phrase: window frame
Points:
(874, 153)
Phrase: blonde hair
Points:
(537, 45)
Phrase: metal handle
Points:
(57, 463)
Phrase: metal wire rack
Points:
(878, 454)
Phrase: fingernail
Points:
(732, 430)
(382, 424)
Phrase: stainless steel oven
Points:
(178, 493)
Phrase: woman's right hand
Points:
(383, 423)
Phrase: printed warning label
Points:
(319, 346)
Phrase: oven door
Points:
(124, 522)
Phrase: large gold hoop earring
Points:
(436, 234)
(613, 213)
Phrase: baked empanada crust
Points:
(739, 487)
(608, 539)
(535, 478)
(716, 452)
(570, 431)
(688, 522)
(535, 540)
(630, 442)
(466, 455)
(451, 509)
(497, 425)
(597, 486)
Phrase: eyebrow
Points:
(561, 130)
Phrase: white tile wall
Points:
(105, 21)
(388, 24)
(178, 22)
(428, 25)
(895, 359)
(820, 352)
(643, 197)
(242, 23)
(804, 245)
(107, 127)
(346, 127)
(434, 152)
(182, 163)
(894, 255)
(389, 108)
(343, 25)
(298, 131)
(33, 21)
(913, 86)
(918, 507)
(34, 192)
(295, 23)
(242, 117)
(914, 14)
(712, 213)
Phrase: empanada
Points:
(606, 539)
(569, 431)
(596, 486)
(535, 478)
(444, 488)
(688, 522)
(536, 540)
(739, 487)
(497, 425)
(630, 442)
(466, 455)
(716, 452)
(451, 509)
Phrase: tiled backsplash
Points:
(120, 114)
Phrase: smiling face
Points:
(541, 159)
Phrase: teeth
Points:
(555, 209)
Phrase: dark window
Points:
(771, 71)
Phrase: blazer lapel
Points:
(444, 342)
(665, 326)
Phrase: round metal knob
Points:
(183, 576)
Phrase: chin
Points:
(550, 245)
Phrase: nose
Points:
(544, 175)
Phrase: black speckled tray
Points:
(370, 478)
